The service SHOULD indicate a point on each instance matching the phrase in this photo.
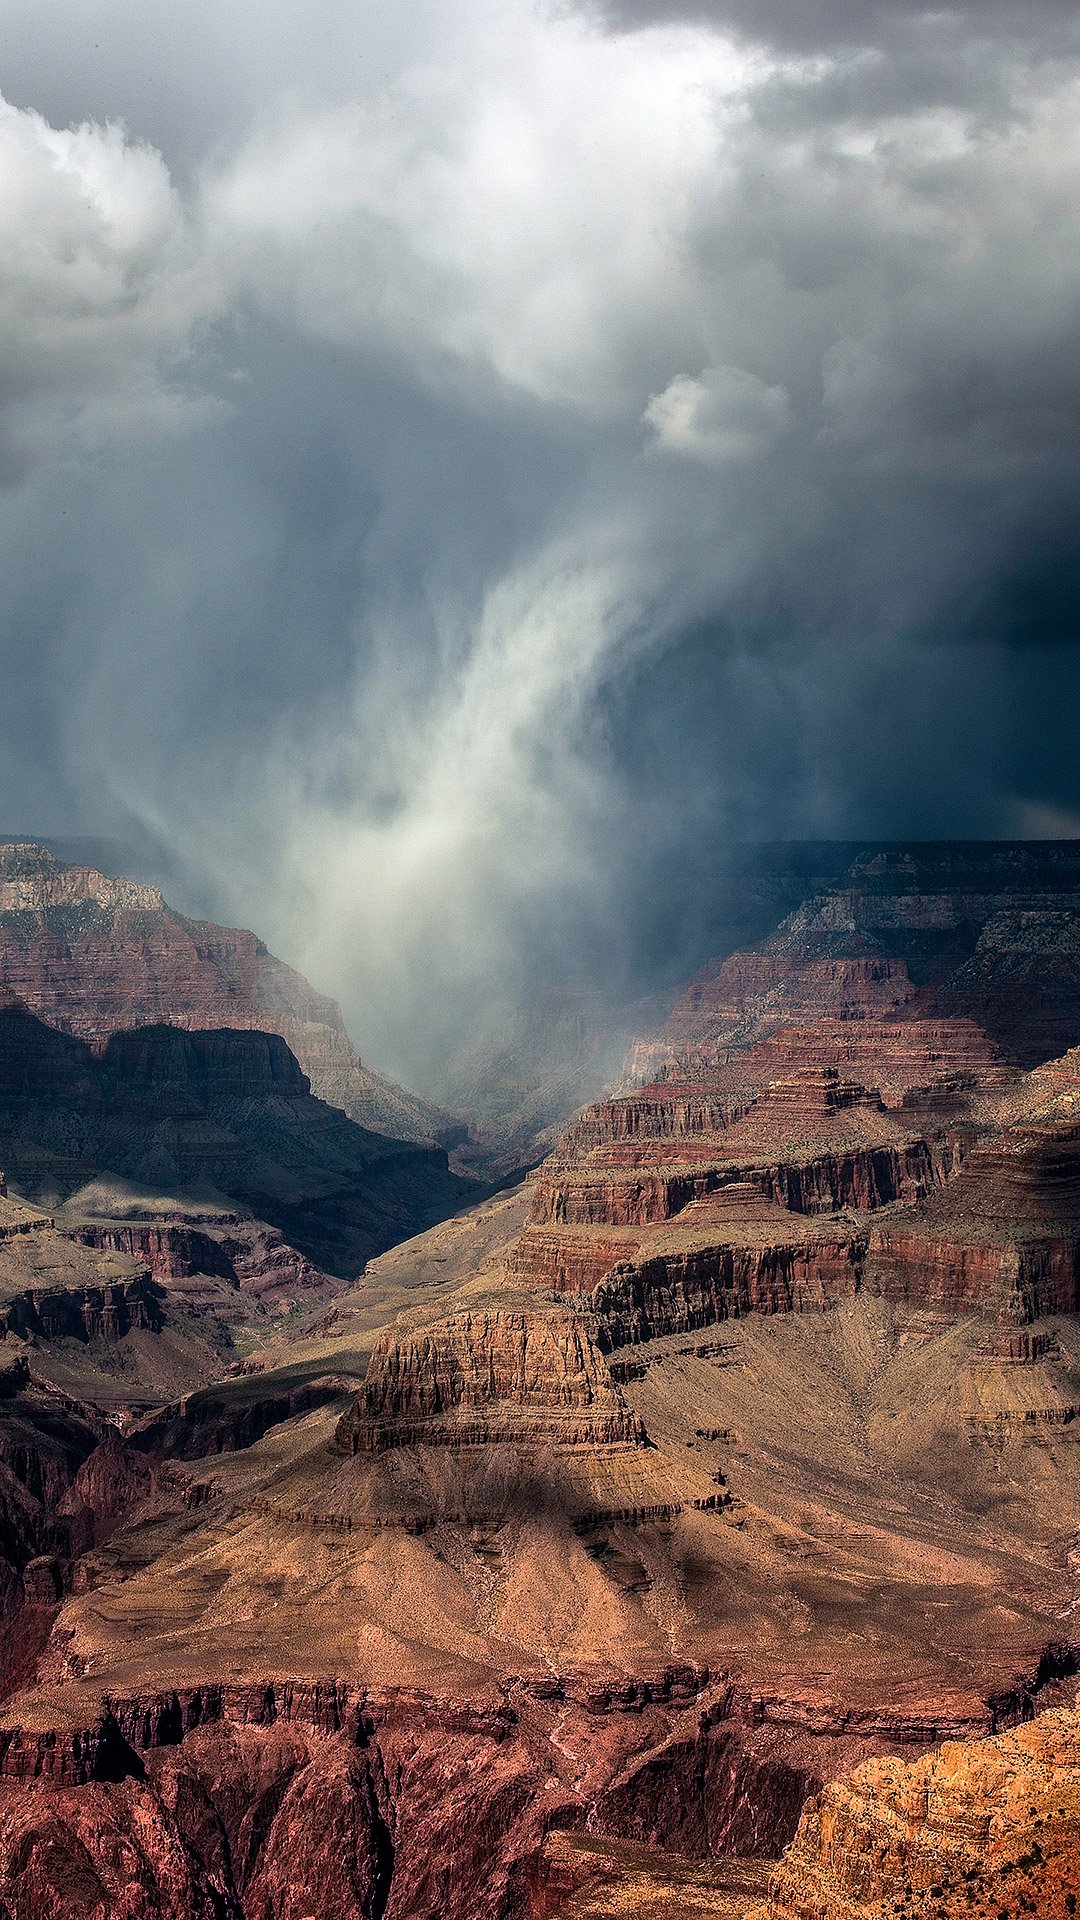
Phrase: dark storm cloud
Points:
(832, 25)
(464, 468)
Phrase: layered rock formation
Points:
(988, 1830)
(483, 1378)
(572, 1564)
(38, 1262)
(337, 1802)
(53, 1289)
(205, 1245)
(223, 1115)
(1004, 1236)
(979, 930)
(751, 1186)
(94, 956)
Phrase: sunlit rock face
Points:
(989, 1829)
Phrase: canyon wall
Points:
(988, 1830)
(486, 1378)
(94, 956)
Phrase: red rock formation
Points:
(671, 1207)
(737, 1002)
(986, 931)
(331, 1803)
(990, 1831)
(661, 1293)
(485, 1378)
(245, 1254)
(803, 1139)
(95, 956)
(1004, 1237)
(73, 1312)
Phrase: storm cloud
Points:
(465, 466)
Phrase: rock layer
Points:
(331, 1802)
(95, 956)
(488, 1378)
(988, 1830)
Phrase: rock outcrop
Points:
(989, 1830)
(736, 1003)
(65, 1477)
(770, 1181)
(494, 1376)
(95, 956)
(87, 1312)
(213, 1421)
(52, 1288)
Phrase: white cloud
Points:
(100, 288)
(724, 414)
(515, 207)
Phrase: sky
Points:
(466, 466)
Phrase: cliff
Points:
(94, 956)
(344, 1802)
(65, 1477)
(1004, 1235)
(688, 1187)
(736, 1003)
(487, 1378)
(52, 1288)
(248, 1257)
(988, 1830)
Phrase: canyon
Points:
(692, 1528)
(95, 955)
(222, 1119)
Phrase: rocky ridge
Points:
(990, 1830)
(95, 956)
(223, 1116)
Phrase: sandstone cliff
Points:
(989, 1830)
(94, 956)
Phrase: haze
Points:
(465, 466)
